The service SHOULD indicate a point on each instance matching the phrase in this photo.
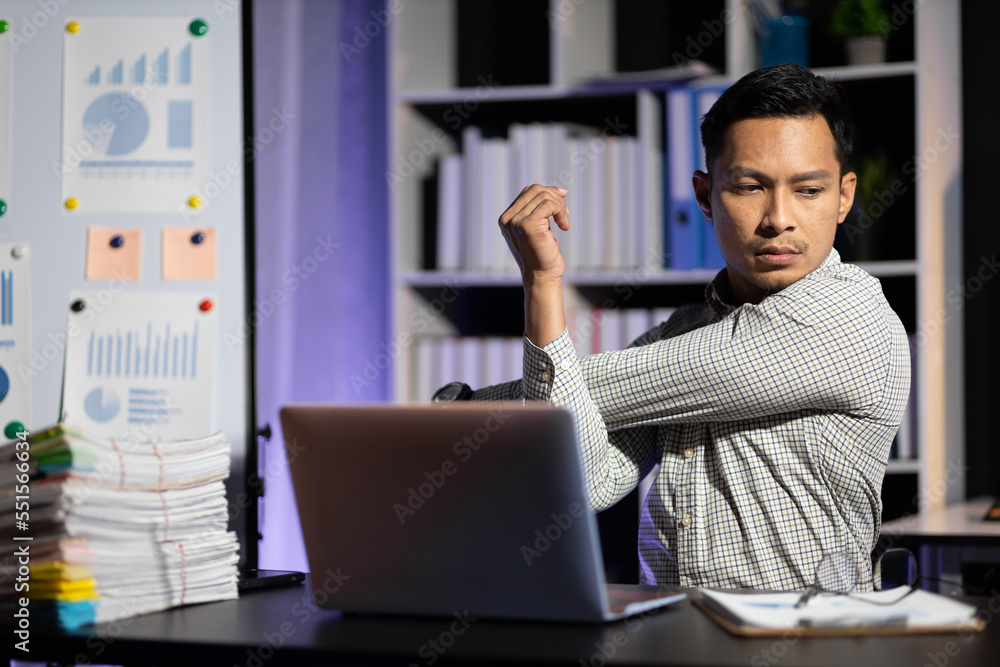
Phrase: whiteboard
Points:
(210, 128)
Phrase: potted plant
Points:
(861, 23)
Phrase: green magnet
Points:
(4, 26)
(13, 429)
(3, 206)
(198, 27)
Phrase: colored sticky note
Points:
(113, 253)
(188, 253)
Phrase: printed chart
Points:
(134, 126)
(140, 365)
(16, 364)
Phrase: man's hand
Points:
(525, 226)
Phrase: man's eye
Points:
(811, 192)
(748, 187)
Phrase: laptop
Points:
(471, 508)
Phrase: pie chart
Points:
(116, 123)
(101, 404)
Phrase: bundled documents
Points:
(94, 530)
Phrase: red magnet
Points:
(206, 305)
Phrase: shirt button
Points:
(564, 365)
(686, 521)
(688, 453)
(546, 376)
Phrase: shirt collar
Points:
(719, 295)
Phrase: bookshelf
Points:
(450, 71)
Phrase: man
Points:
(771, 407)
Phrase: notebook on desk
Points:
(473, 509)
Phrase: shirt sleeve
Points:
(613, 462)
(505, 391)
(822, 345)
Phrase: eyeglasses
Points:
(837, 574)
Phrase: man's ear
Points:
(848, 182)
(703, 192)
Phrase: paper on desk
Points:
(777, 610)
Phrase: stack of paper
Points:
(113, 528)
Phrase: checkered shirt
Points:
(771, 424)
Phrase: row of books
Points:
(614, 179)
(480, 361)
(629, 206)
(688, 235)
(109, 529)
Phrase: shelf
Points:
(861, 72)
(627, 84)
(900, 106)
(898, 466)
(890, 269)
(621, 276)
(601, 278)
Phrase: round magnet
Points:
(4, 26)
(12, 429)
(73, 27)
(198, 27)
(195, 201)
(78, 306)
(72, 203)
(117, 241)
(197, 238)
(206, 305)
(18, 251)
(3, 206)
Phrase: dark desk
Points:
(245, 631)
(953, 543)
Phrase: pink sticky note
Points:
(113, 253)
(188, 253)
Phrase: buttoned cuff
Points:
(548, 370)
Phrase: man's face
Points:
(775, 201)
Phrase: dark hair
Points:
(782, 90)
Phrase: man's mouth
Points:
(777, 255)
